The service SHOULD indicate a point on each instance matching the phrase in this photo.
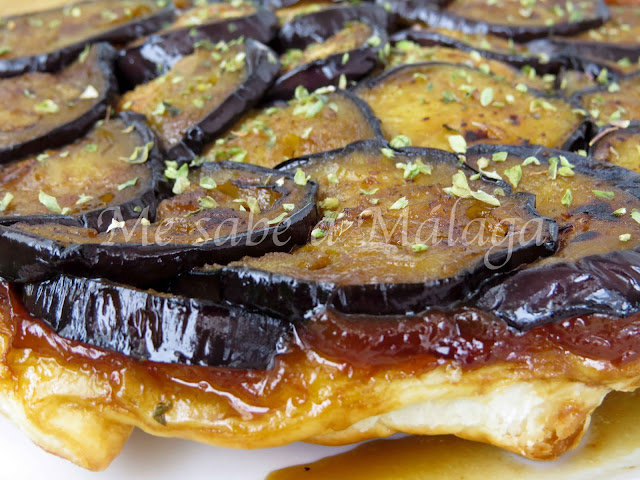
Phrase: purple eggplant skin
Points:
(318, 26)
(70, 131)
(262, 68)
(605, 283)
(149, 326)
(26, 257)
(296, 298)
(441, 18)
(58, 59)
(327, 71)
(97, 219)
(142, 63)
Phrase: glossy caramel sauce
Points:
(610, 447)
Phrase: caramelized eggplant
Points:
(430, 102)
(408, 12)
(407, 52)
(488, 46)
(44, 110)
(596, 206)
(115, 166)
(319, 26)
(613, 103)
(346, 56)
(395, 238)
(512, 19)
(310, 123)
(615, 41)
(289, 10)
(213, 22)
(203, 94)
(50, 40)
(619, 146)
(219, 213)
(151, 326)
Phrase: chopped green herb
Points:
(208, 183)
(486, 97)
(300, 178)
(318, 233)
(400, 141)
(6, 200)
(47, 106)
(604, 194)
(458, 143)
(387, 152)
(514, 174)
(127, 184)
(419, 247)
(160, 411)
(399, 204)
(278, 219)
(567, 198)
(51, 203)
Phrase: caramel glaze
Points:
(361, 346)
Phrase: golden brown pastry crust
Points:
(81, 403)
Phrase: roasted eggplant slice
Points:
(44, 110)
(116, 166)
(310, 123)
(615, 41)
(407, 52)
(203, 94)
(220, 212)
(597, 208)
(408, 12)
(156, 327)
(487, 46)
(50, 40)
(396, 238)
(619, 146)
(213, 22)
(512, 19)
(287, 11)
(615, 102)
(319, 26)
(346, 56)
(433, 102)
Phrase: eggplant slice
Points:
(287, 11)
(317, 27)
(203, 94)
(346, 56)
(619, 146)
(45, 110)
(220, 212)
(407, 52)
(615, 41)
(151, 326)
(538, 19)
(151, 56)
(396, 237)
(613, 103)
(116, 166)
(431, 102)
(50, 40)
(597, 207)
(487, 46)
(323, 120)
